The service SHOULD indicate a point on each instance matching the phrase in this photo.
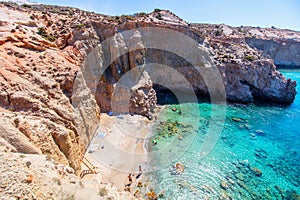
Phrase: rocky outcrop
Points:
(259, 79)
(60, 65)
(250, 72)
(284, 52)
(37, 81)
(24, 176)
(280, 45)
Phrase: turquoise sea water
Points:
(257, 155)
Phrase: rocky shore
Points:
(28, 176)
(51, 93)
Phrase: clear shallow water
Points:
(257, 155)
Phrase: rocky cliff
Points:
(278, 44)
(60, 66)
(249, 55)
(37, 79)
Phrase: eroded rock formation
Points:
(247, 56)
(57, 72)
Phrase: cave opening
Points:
(166, 96)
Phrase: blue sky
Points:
(263, 13)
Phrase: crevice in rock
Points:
(252, 88)
(8, 97)
(61, 143)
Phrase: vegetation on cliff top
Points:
(42, 32)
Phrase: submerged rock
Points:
(247, 126)
(224, 185)
(259, 132)
(256, 171)
(224, 196)
(236, 119)
(292, 195)
(239, 176)
(260, 153)
(252, 135)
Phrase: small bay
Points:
(256, 154)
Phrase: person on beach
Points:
(140, 172)
(127, 186)
(130, 179)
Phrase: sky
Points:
(262, 13)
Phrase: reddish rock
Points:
(53, 84)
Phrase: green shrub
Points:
(157, 10)
(128, 17)
(218, 33)
(102, 192)
(158, 16)
(250, 58)
(54, 11)
(140, 14)
(26, 6)
(42, 32)
(242, 30)
(79, 26)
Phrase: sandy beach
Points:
(119, 148)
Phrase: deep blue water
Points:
(256, 156)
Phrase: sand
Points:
(121, 150)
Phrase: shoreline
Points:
(119, 147)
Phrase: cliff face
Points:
(247, 56)
(280, 45)
(37, 80)
(283, 46)
(284, 52)
(60, 66)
